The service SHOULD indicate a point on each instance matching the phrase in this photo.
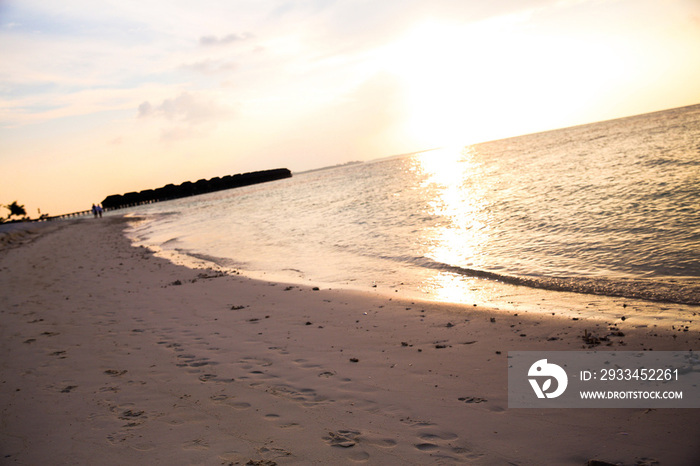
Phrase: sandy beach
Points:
(113, 356)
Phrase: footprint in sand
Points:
(305, 396)
(133, 417)
(117, 438)
(273, 452)
(276, 417)
(250, 361)
(347, 439)
(61, 354)
(434, 441)
(196, 444)
(472, 399)
(428, 436)
(343, 438)
(214, 378)
(144, 446)
(278, 349)
(240, 405)
(305, 364)
(202, 362)
(229, 401)
(380, 442)
(359, 456)
(442, 444)
(190, 360)
(260, 375)
(289, 425)
(427, 446)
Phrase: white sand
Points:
(113, 356)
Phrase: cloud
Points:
(208, 41)
(210, 67)
(186, 108)
(145, 109)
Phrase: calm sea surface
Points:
(607, 209)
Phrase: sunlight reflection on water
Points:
(455, 189)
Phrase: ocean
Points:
(599, 218)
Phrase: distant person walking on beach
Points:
(94, 210)
(99, 210)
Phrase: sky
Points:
(101, 97)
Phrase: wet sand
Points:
(112, 355)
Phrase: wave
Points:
(672, 291)
(224, 262)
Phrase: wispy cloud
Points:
(209, 41)
(210, 66)
(186, 116)
(187, 108)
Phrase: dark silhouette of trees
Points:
(16, 210)
(188, 188)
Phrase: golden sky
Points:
(107, 96)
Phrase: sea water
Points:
(602, 210)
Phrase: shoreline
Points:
(489, 293)
(113, 353)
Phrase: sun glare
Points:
(436, 84)
(475, 82)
